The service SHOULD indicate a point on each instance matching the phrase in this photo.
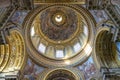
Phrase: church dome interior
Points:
(59, 40)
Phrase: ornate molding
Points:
(74, 72)
(104, 47)
(13, 53)
(81, 57)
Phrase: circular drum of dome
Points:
(57, 33)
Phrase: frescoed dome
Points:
(60, 32)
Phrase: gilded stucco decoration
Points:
(13, 54)
(64, 39)
(104, 40)
(52, 45)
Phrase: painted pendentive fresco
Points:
(58, 27)
(88, 68)
(32, 71)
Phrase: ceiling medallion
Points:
(58, 33)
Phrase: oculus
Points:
(56, 33)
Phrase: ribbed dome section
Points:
(61, 32)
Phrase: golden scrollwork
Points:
(105, 54)
(56, 53)
(13, 53)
